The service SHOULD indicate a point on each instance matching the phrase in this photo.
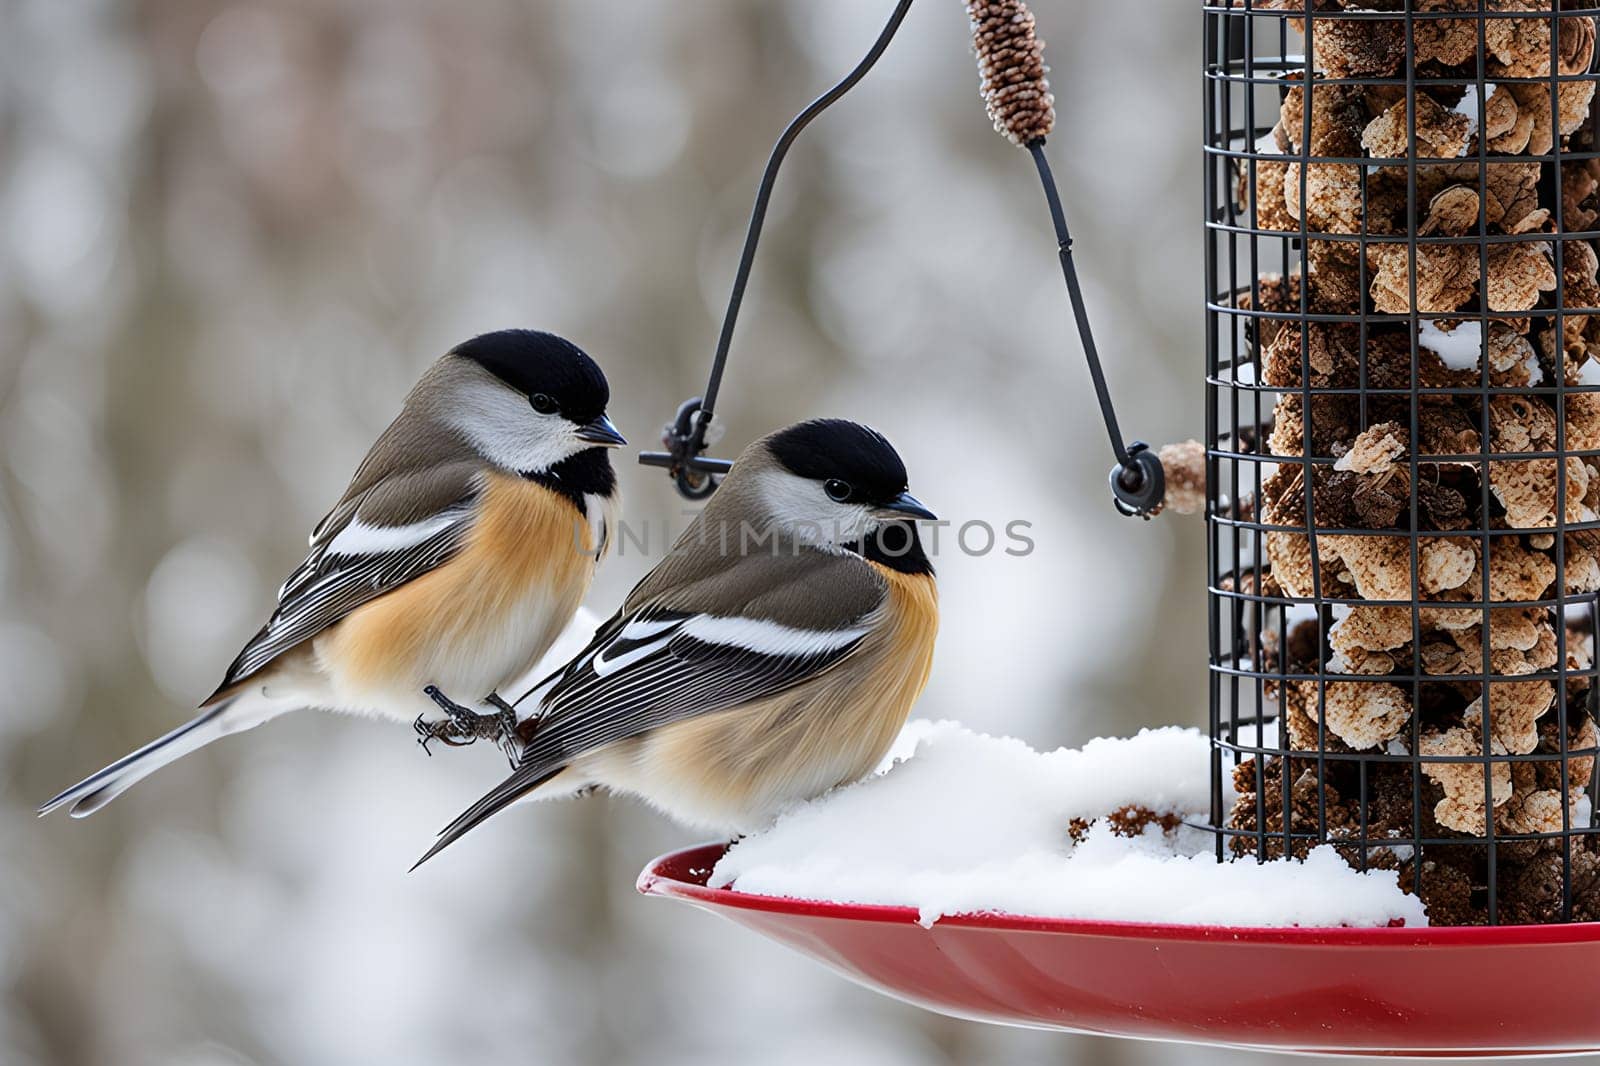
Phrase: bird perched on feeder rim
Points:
(773, 655)
(458, 553)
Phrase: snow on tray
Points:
(972, 823)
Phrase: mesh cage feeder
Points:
(1402, 261)
(1401, 478)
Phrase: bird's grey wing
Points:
(389, 486)
(334, 521)
(753, 629)
(399, 528)
(673, 658)
(663, 667)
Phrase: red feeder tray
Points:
(1506, 990)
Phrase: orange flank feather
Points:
(914, 601)
(529, 556)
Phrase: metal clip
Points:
(684, 438)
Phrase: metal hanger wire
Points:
(1137, 481)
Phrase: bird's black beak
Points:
(600, 431)
(907, 504)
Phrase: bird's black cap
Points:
(533, 362)
(834, 448)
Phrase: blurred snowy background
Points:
(230, 237)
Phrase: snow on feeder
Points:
(1402, 487)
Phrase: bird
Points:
(774, 654)
(462, 547)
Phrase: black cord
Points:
(686, 438)
(758, 214)
(1075, 293)
(1138, 482)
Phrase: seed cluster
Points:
(1011, 64)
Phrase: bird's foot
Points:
(507, 739)
(464, 726)
(445, 730)
(426, 731)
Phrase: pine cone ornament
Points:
(1011, 63)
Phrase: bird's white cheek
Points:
(508, 432)
(570, 443)
(858, 523)
(801, 509)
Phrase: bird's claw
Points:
(506, 719)
(464, 726)
(445, 730)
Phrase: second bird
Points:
(459, 552)
(773, 655)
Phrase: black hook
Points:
(696, 477)
(1138, 485)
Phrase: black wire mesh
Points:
(1403, 328)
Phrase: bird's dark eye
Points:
(838, 491)
(544, 403)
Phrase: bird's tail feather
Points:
(229, 715)
(509, 791)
